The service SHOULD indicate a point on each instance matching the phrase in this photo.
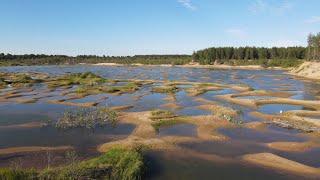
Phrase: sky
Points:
(131, 27)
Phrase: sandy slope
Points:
(307, 69)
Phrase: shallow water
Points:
(186, 130)
(276, 108)
(163, 165)
(173, 166)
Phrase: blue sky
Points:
(129, 27)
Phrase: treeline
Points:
(314, 46)
(225, 54)
(42, 59)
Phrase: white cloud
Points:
(313, 19)
(187, 4)
(237, 32)
(277, 8)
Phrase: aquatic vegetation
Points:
(3, 84)
(117, 163)
(128, 88)
(233, 120)
(167, 122)
(134, 85)
(165, 89)
(83, 117)
(251, 88)
(19, 80)
(86, 78)
(162, 114)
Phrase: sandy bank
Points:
(279, 163)
(307, 69)
(293, 146)
(249, 67)
(33, 149)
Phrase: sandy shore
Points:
(250, 67)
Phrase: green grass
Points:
(86, 78)
(159, 112)
(87, 89)
(3, 84)
(116, 164)
(18, 81)
(165, 89)
(167, 122)
(15, 174)
(134, 85)
(251, 88)
(162, 114)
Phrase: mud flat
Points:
(144, 133)
(26, 125)
(33, 149)
(63, 102)
(279, 163)
(289, 121)
(293, 146)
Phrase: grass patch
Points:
(86, 89)
(167, 122)
(162, 114)
(13, 174)
(165, 89)
(18, 80)
(251, 88)
(117, 164)
(83, 117)
(3, 84)
(86, 78)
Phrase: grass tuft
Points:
(165, 89)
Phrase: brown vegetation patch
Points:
(206, 101)
(279, 163)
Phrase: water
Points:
(163, 165)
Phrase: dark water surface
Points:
(164, 165)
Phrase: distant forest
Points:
(267, 57)
(41, 59)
